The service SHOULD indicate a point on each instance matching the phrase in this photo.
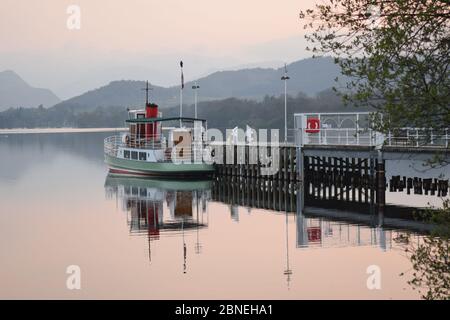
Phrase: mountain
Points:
(309, 76)
(15, 92)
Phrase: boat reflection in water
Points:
(143, 201)
(159, 208)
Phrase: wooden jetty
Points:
(334, 159)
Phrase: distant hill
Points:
(309, 76)
(15, 92)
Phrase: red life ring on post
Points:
(312, 125)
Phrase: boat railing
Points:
(111, 145)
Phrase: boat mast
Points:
(147, 89)
(181, 91)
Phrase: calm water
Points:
(135, 238)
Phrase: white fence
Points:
(418, 137)
(343, 136)
(354, 129)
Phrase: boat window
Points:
(134, 155)
(126, 154)
(142, 156)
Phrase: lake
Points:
(153, 239)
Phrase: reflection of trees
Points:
(430, 257)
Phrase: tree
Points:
(430, 255)
(395, 52)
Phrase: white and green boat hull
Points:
(145, 168)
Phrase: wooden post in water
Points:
(354, 179)
(372, 181)
(366, 181)
(360, 180)
(292, 176)
(347, 179)
(300, 176)
(381, 192)
(341, 179)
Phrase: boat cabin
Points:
(147, 139)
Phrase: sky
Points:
(144, 39)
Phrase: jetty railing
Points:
(354, 128)
(418, 137)
(339, 136)
(400, 137)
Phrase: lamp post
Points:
(195, 88)
(285, 78)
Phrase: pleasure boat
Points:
(158, 146)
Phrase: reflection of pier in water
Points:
(321, 213)
(262, 192)
(161, 208)
(328, 217)
(316, 230)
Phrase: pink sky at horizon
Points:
(133, 39)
